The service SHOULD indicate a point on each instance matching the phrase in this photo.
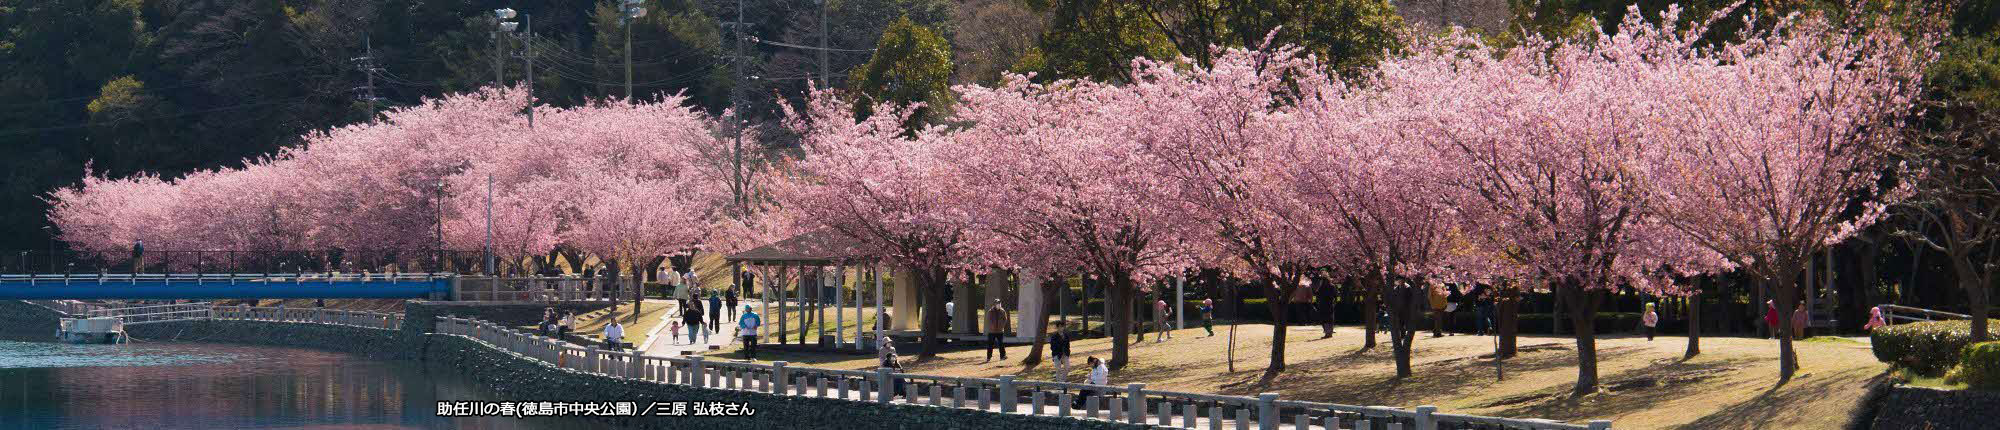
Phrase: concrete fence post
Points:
(1136, 393)
(1424, 419)
(779, 377)
(633, 367)
(695, 372)
(1267, 411)
(1600, 425)
(1007, 394)
(884, 385)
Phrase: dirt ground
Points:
(1646, 384)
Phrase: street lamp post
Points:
(500, 25)
(633, 10)
(437, 250)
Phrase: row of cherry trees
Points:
(1627, 159)
(625, 182)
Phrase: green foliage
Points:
(1094, 39)
(1926, 347)
(1979, 368)
(119, 98)
(910, 65)
(673, 50)
(1967, 72)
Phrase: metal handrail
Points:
(1135, 401)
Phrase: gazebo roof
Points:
(812, 248)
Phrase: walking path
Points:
(664, 345)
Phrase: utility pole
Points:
(489, 224)
(736, 112)
(366, 63)
(528, 58)
(825, 79)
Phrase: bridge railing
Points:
(141, 314)
(1132, 403)
(269, 261)
(535, 289)
(67, 307)
(220, 278)
(343, 317)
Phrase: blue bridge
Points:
(436, 286)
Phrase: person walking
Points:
(729, 297)
(1799, 321)
(1160, 321)
(692, 314)
(1875, 319)
(996, 330)
(746, 326)
(1452, 301)
(1208, 316)
(1651, 319)
(614, 335)
(674, 330)
(1059, 350)
(1324, 296)
(715, 311)
(1771, 318)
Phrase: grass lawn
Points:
(1646, 385)
(591, 325)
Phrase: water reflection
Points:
(205, 386)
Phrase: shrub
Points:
(1928, 347)
(1978, 366)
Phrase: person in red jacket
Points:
(1771, 316)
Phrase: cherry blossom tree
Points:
(865, 179)
(1057, 191)
(1773, 142)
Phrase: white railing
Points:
(221, 278)
(1893, 314)
(1132, 403)
(340, 317)
(67, 307)
(533, 289)
(141, 314)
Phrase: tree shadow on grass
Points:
(1327, 378)
(1759, 411)
(1621, 393)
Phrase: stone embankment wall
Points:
(516, 377)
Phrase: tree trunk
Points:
(931, 280)
(1583, 316)
(1370, 293)
(1118, 318)
(1041, 324)
(1403, 310)
(1277, 302)
(1694, 320)
(1975, 290)
(1787, 292)
(1510, 321)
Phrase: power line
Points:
(21, 131)
(815, 48)
(186, 85)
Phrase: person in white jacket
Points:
(1099, 375)
(614, 335)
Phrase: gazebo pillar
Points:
(964, 317)
(1029, 308)
(839, 303)
(907, 306)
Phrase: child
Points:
(674, 327)
(1651, 319)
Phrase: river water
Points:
(147, 385)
